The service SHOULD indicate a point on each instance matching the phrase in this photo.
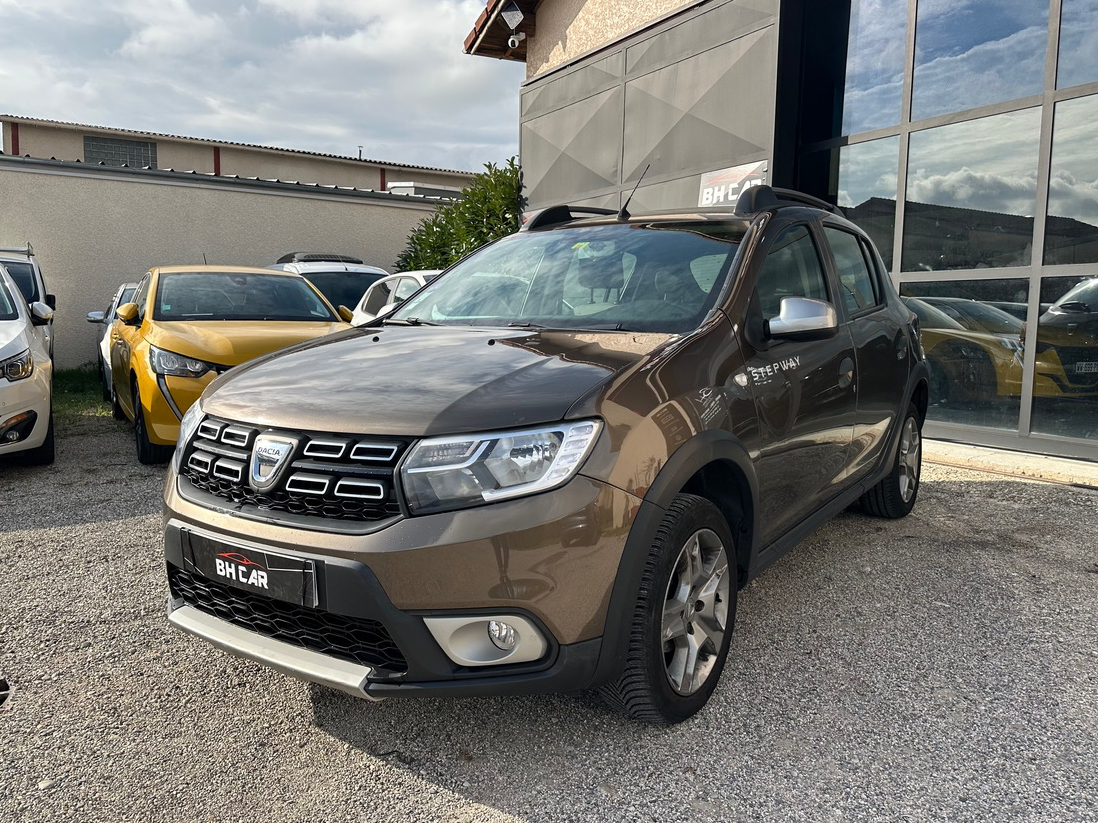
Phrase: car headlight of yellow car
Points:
(176, 365)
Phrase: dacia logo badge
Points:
(269, 456)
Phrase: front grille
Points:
(362, 641)
(342, 478)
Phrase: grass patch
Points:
(77, 393)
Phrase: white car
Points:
(340, 278)
(23, 267)
(26, 376)
(103, 344)
(389, 292)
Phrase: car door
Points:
(803, 390)
(880, 345)
(124, 339)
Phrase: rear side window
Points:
(141, 297)
(406, 287)
(378, 296)
(792, 269)
(23, 275)
(859, 287)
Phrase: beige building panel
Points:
(181, 156)
(302, 168)
(569, 28)
(93, 232)
(46, 142)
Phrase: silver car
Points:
(103, 342)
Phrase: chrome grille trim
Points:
(237, 436)
(331, 449)
(381, 452)
(302, 483)
(210, 429)
(369, 490)
(229, 469)
(200, 461)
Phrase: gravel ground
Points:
(943, 667)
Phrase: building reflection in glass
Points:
(1065, 381)
(874, 65)
(970, 54)
(867, 189)
(1071, 232)
(971, 193)
(1078, 61)
(974, 343)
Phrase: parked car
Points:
(24, 269)
(342, 279)
(494, 493)
(390, 291)
(26, 376)
(103, 338)
(187, 324)
(1067, 343)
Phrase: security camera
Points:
(515, 38)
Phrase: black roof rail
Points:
(760, 198)
(317, 257)
(555, 215)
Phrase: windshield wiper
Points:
(594, 327)
(407, 321)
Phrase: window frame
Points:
(812, 229)
(871, 267)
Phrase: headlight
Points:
(176, 365)
(19, 367)
(187, 427)
(454, 472)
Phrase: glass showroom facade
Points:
(969, 151)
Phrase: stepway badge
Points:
(724, 186)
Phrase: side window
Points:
(141, 296)
(378, 297)
(406, 287)
(791, 269)
(859, 287)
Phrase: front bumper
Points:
(30, 394)
(551, 559)
(166, 399)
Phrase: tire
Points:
(117, 412)
(658, 684)
(148, 453)
(42, 455)
(894, 497)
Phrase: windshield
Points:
(343, 288)
(1083, 297)
(643, 277)
(8, 310)
(237, 296)
(23, 275)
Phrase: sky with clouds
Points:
(318, 75)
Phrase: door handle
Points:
(846, 372)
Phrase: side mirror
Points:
(127, 312)
(803, 318)
(41, 314)
(96, 317)
(51, 301)
(388, 307)
(345, 314)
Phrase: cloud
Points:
(319, 75)
(971, 189)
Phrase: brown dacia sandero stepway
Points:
(553, 467)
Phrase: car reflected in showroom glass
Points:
(1071, 230)
(974, 349)
(1065, 384)
(971, 193)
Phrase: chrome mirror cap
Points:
(804, 316)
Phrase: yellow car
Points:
(187, 324)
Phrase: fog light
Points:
(502, 635)
(11, 436)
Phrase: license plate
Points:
(1086, 368)
(252, 569)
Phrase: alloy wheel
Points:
(695, 613)
(910, 448)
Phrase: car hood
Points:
(426, 380)
(232, 342)
(13, 337)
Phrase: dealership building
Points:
(962, 135)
